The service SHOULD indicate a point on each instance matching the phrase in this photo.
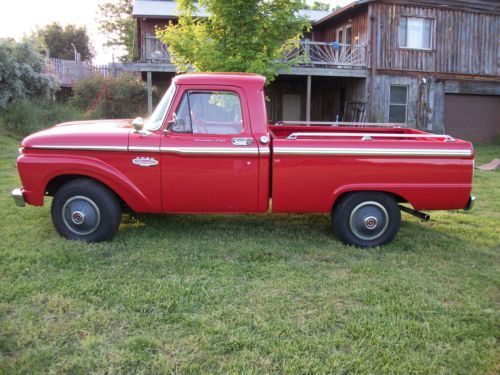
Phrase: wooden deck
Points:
(308, 57)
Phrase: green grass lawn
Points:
(250, 294)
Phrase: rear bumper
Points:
(470, 203)
(17, 195)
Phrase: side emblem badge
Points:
(144, 161)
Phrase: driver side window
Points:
(209, 112)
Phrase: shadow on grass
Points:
(296, 233)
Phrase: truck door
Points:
(209, 156)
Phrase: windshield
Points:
(156, 119)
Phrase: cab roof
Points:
(224, 79)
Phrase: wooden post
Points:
(150, 92)
(372, 25)
(308, 100)
(113, 66)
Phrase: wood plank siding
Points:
(146, 29)
(326, 31)
(463, 41)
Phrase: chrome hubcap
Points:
(81, 215)
(78, 217)
(369, 220)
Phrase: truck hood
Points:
(92, 135)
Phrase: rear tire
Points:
(85, 210)
(366, 219)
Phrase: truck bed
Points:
(314, 165)
(355, 131)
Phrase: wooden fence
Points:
(70, 72)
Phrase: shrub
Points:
(124, 96)
(21, 74)
(25, 117)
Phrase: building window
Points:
(344, 34)
(398, 103)
(415, 32)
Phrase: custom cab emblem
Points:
(143, 161)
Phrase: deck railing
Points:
(155, 51)
(307, 54)
(329, 55)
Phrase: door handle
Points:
(242, 141)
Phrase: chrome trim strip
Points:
(176, 150)
(17, 195)
(368, 151)
(80, 148)
(264, 151)
(211, 150)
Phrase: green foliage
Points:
(26, 117)
(21, 74)
(238, 36)
(117, 23)
(256, 294)
(121, 97)
(317, 5)
(58, 40)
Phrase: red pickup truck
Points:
(208, 148)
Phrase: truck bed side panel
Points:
(309, 181)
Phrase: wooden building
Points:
(434, 65)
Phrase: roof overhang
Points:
(343, 10)
(168, 10)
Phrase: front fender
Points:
(37, 170)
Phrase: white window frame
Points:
(337, 37)
(343, 29)
(431, 36)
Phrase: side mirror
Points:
(138, 124)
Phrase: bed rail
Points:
(370, 136)
(335, 124)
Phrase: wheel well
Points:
(397, 197)
(57, 182)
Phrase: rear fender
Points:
(420, 196)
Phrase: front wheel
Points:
(85, 210)
(366, 219)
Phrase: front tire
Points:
(85, 210)
(366, 219)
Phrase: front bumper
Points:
(17, 195)
(470, 203)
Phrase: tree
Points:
(59, 41)
(21, 74)
(118, 24)
(318, 5)
(240, 35)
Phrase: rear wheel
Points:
(366, 219)
(85, 210)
